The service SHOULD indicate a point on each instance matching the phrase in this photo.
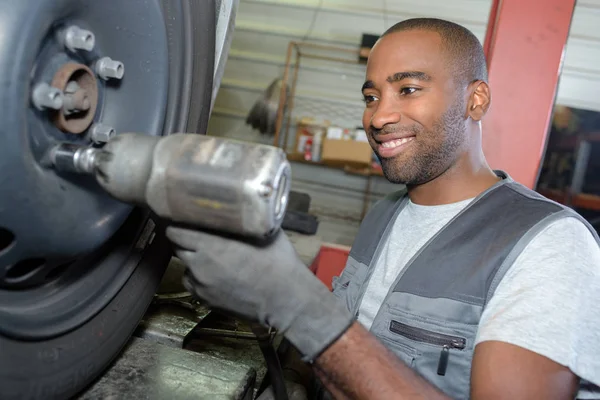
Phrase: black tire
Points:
(192, 57)
(63, 366)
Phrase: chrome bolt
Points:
(108, 68)
(79, 39)
(101, 133)
(45, 96)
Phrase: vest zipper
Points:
(447, 342)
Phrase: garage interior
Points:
(327, 90)
(291, 78)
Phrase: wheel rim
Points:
(61, 237)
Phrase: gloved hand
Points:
(268, 284)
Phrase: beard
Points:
(431, 153)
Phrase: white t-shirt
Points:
(548, 301)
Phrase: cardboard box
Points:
(346, 152)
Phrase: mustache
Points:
(390, 129)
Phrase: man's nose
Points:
(384, 115)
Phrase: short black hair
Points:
(465, 52)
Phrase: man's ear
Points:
(480, 99)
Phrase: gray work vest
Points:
(430, 316)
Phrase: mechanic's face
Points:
(415, 116)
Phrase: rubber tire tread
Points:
(203, 31)
(61, 367)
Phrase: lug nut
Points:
(79, 39)
(108, 68)
(45, 96)
(101, 133)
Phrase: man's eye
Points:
(369, 99)
(408, 90)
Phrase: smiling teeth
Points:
(395, 143)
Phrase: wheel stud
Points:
(45, 96)
(79, 39)
(107, 68)
(101, 133)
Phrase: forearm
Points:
(296, 370)
(359, 366)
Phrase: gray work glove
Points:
(268, 284)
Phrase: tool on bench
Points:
(213, 183)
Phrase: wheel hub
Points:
(61, 236)
(80, 100)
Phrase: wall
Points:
(265, 27)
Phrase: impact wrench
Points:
(206, 182)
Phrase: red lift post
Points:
(524, 46)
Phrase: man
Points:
(465, 285)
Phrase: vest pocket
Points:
(443, 346)
(446, 342)
(407, 354)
